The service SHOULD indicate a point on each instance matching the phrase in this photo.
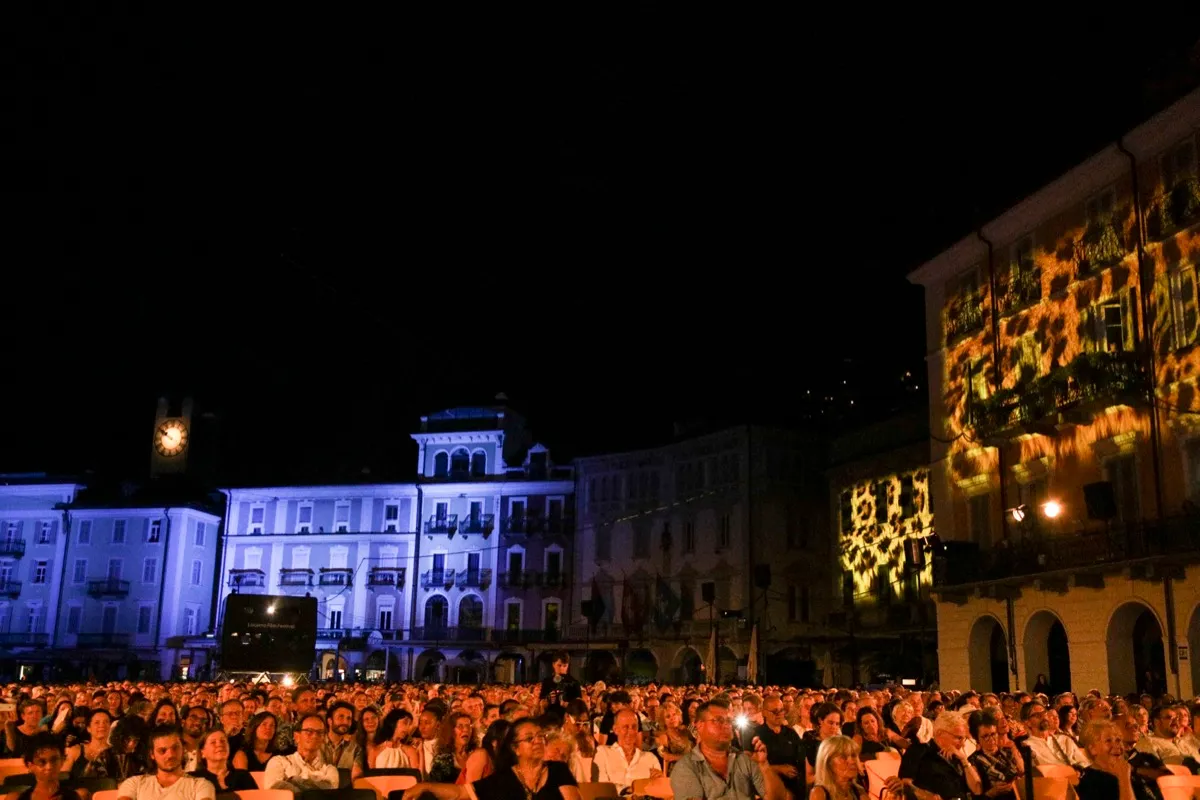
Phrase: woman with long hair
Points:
(838, 768)
(258, 744)
(482, 761)
(456, 740)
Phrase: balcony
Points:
(247, 578)
(1039, 552)
(336, 576)
(528, 579)
(964, 317)
(1100, 246)
(1023, 288)
(296, 578)
(437, 579)
(1174, 210)
(445, 633)
(116, 641)
(479, 523)
(447, 524)
(12, 548)
(24, 639)
(1066, 396)
(473, 579)
(108, 587)
(362, 634)
(10, 588)
(531, 525)
(386, 577)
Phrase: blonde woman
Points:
(836, 775)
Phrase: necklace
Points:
(537, 782)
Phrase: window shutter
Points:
(1189, 315)
(1087, 330)
(1129, 320)
(146, 529)
(1164, 332)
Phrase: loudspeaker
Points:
(914, 551)
(708, 592)
(265, 633)
(1101, 500)
(762, 576)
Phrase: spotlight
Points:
(1052, 508)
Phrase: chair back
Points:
(598, 790)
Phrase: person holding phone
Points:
(560, 688)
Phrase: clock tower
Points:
(172, 433)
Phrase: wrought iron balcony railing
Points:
(1024, 288)
(12, 548)
(1101, 245)
(473, 579)
(964, 317)
(336, 576)
(478, 523)
(1174, 210)
(296, 577)
(108, 588)
(437, 579)
(247, 578)
(447, 524)
(386, 577)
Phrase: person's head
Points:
(1102, 741)
(950, 730)
(868, 724)
(99, 725)
(773, 710)
(1164, 722)
(714, 725)
(837, 762)
(626, 728)
(304, 701)
(341, 718)
(166, 749)
(31, 712)
(309, 735)
(524, 741)
(457, 733)
(262, 728)
(562, 662)
(826, 720)
(214, 746)
(1130, 730)
(982, 726)
(43, 757)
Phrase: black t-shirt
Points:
(566, 687)
(928, 770)
(785, 748)
(505, 785)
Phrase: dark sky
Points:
(327, 227)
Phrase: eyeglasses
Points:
(537, 737)
(989, 736)
(313, 731)
(724, 722)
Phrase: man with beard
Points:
(340, 749)
(711, 770)
(168, 780)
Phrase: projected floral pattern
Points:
(870, 543)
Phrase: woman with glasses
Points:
(522, 773)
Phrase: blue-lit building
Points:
(102, 584)
(460, 574)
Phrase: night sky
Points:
(621, 221)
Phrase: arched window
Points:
(441, 465)
(437, 617)
(478, 464)
(460, 463)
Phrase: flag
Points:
(666, 605)
(597, 608)
(711, 661)
(631, 608)
(752, 657)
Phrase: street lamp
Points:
(1052, 509)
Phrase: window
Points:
(108, 620)
(144, 616)
(36, 619)
(441, 464)
(385, 619)
(977, 380)
(258, 515)
(460, 463)
(1178, 319)
(391, 518)
(341, 518)
(1027, 358)
(118, 535)
(538, 465)
(478, 464)
(12, 532)
(1178, 164)
(190, 618)
(980, 511)
(689, 538)
(1122, 473)
(304, 517)
(114, 569)
(335, 619)
(41, 570)
(881, 502)
(300, 557)
(252, 558)
(154, 531)
(846, 512)
(149, 570)
(46, 533)
(964, 304)
(198, 541)
(85, 531)
(1110, 324)
(723, 532)
(74, 617)
(907, 508)
(79, 573)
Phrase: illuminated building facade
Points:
(718, 530)
(1065, 449)
(882, 521)
(460, 575)
(85, 576)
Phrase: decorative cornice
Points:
(379, 491)
(459, 437)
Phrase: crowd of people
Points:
(192, 741)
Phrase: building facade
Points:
(85, 580)
(1065, 447)
(450, 577)
(711, 533)
(881, 515)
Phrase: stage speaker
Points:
(762, 576)
(265, 633)
(1101, 500)
(708, 592)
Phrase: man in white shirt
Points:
(1049, 748)
(623, 762)
(304, 769)
(169, 782)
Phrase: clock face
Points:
(170, 439)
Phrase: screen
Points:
(267, 633)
